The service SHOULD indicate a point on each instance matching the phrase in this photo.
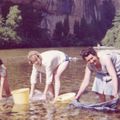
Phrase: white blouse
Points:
(50, 61)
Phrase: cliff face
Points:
(91, 10)
(76, 7)
(88, 14)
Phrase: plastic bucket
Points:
(21, 96)
(64, 99)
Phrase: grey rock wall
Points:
(55, 11)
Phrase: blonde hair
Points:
(31, 53)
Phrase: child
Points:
(3, 81)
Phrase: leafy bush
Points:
(112, 37)
(8, 26)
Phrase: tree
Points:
(8, 27)
(112, 37)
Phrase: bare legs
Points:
(51, 90)
(55, 89)
(102, 97)
(1, 86)
(4, 86)
(57, 76)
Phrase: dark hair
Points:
(85, 52)
(1, 62)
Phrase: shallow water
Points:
(19, 73)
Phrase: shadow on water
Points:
(19, 73)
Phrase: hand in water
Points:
(43, 97)
(30, 96)
(53, 101)
(116, 96)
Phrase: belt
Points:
(108, 80)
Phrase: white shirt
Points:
(50, 61)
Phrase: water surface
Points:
(19, 73)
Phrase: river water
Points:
(19, 73)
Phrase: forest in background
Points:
(58, 23)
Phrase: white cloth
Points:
(108, 106)
(50, 61)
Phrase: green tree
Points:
(8, 27)
(112, 37)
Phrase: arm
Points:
(1, 86)
(32, 90)
(40, 77)
(84, 83)
(49, 78)
(111, 70)
(33, 80)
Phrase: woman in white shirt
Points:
(52, 63)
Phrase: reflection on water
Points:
(20, 108)
(19, 73)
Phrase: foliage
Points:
(112, 37)
(8, 26)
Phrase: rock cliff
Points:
(89, 14)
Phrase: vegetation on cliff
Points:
(55, 23)
(8, 28)
(112, 37)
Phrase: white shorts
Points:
(100, 86)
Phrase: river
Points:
(19, 74)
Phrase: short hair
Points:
(31, 53)
(1, 62)
(85, 52)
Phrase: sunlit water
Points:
(19, 73)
